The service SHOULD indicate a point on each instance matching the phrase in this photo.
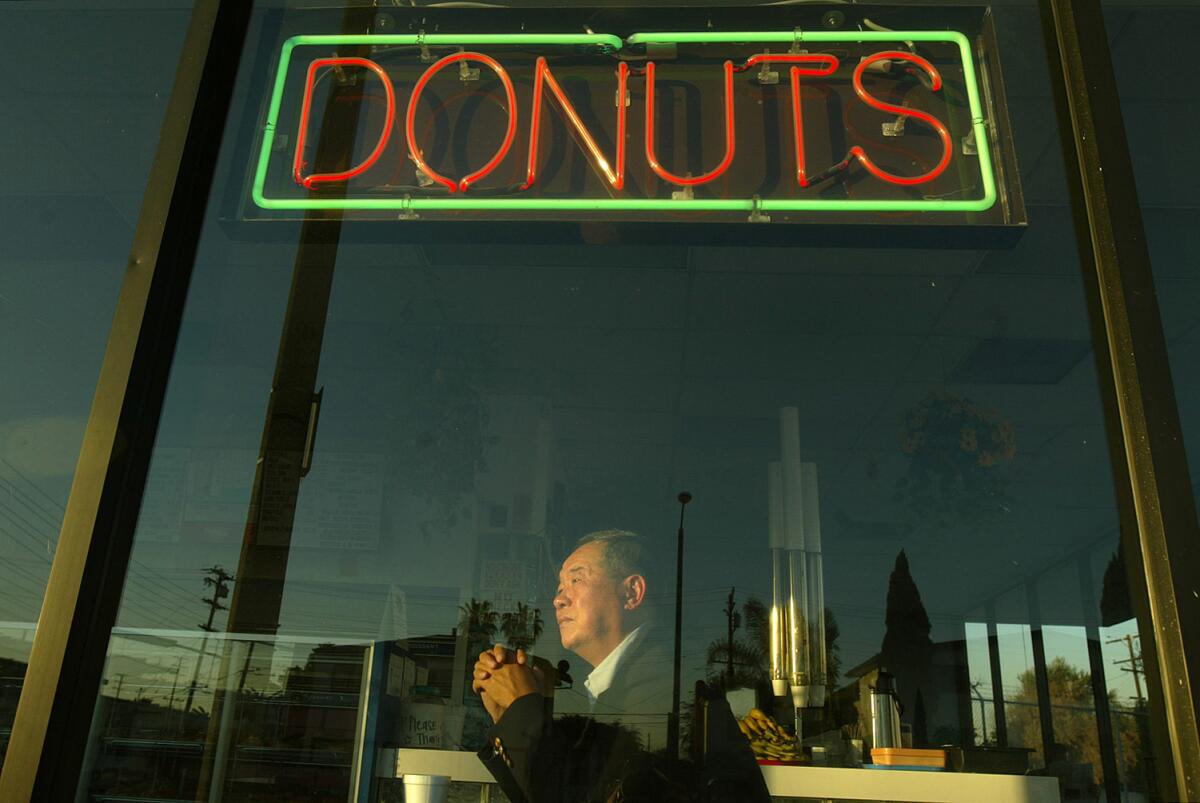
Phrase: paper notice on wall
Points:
(341, 502)
(196, 495)
(162, 502)
(400, 675)
(203, 495)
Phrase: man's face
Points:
(589, 605)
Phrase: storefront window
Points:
(75, 149)
(1151, 106)
(387, 446)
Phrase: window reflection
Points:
(76, 162)
(378, 458)
(468, 437)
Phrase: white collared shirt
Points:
(601, 677)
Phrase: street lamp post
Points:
(673, 725)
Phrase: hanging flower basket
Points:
(956, 449)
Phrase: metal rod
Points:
(1041, 675)
(1104, 718)
(999, 713)
(673, 726)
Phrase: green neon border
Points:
(611, 44)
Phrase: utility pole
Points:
(246, 667)
(219, 579)
(174, 683)
(1135, 663)
(735, 620)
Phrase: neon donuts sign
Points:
(540, 125)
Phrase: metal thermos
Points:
(885, 712)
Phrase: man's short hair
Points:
(625, 553)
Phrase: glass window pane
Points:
(81, 119)
(382, 445)
(1148, 66)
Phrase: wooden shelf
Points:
(828, 783)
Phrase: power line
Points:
(27, 527)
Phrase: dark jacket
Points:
(640, 696)
(602, 758)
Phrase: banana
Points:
(768, 739)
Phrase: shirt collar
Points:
(601, 677)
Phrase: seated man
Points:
(602, 617)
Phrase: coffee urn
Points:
(885, 712)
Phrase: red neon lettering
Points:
(616, 176)
(829, 67)
(729, 133)
(410, 131)
(299, 164)
(947, 148)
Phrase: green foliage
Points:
(1074, 718)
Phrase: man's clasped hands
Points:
(503, 676)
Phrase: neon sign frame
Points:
(610, 44)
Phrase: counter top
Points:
(830, 783)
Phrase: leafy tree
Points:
(523, 627)
(1074, 717)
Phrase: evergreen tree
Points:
(1115, 606)
(920, 721)
(907, 650)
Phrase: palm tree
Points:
(752, 652)
(749, 670)
(479, 620)
(522, 628)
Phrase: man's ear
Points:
(635, 591)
